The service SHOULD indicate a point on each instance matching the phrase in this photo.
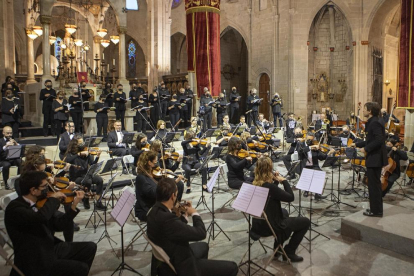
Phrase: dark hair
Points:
(392, 141)
(165, 188)
(32, 164)
(138, 141)
(32, 179)
(102, 96)
(233, 143)
(142, 164)
(46, 81)
(33, 152)
(118, 85)
(73, 146)
(69, 122)
(7, 92)
(7, 79)
(374, 107)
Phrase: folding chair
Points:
(161, 256)
(5, 200)
(142, 225)
(3, 241)
(128, 159)
(11, 180)
(402, 182)
(233, 192)
(256, 237)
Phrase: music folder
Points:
(251, 199)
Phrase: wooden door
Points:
(264, 90)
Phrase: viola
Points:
(197, 141)
(172, 155)
(60, 165)
(70, 196)
(244, 153)
(157, 173)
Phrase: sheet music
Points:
(124, 206)
(312, 181)
(212, 182)
(251, 199)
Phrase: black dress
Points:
(155, 111)
(102, 119)
(76, 113)
(120, 100)
(235, 175)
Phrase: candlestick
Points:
(103, 56)
(113, 62)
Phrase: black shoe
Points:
(7, 187)
(205, 189)
(290, 177)
(188, 191)
(320, 197)
(370, 214)
(76, 227)
(293, 258)
(100, 206)
(306, 194)
(86, 204)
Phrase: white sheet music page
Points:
(318, 182)
(244, 197)
(212, 182)
(258, 201)
(305, 179)
(124, 206)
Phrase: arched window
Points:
(58, 49)
(132, 67)
(132, 5)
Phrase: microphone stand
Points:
(143, 117)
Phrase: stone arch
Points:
(239, 29)
(381, 7)
(259, 72)
(21, 51)
(179, 58)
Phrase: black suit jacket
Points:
(113, 139)
(374, 143)
(63, 144)
(32, 234)
(173, 235)
(3, 153)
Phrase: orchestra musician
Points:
(226, 123)
(161, 131)
(155, 111)
(386, 117)
(290, 126)
(174, 108)
(78, 155)
(194, 127)
(277, 105)
(397, 155)
(297, 145)
(182, 98)
(190, 95)
(85, 95)
(141, 115)
(191, 159)
(165, 98)
(221, 141)
(322, 126)
(5, 163)
(76, 110)
(173, 235)
(376, 156)
(109, 94)
(115, 140)
(351, 121)
(242, 124)
(206, 103)
(146, 184)
(120, 101)
(37, 251)
(11, 112)
(234, 104)
(221, 107)
(65, 138)
(262, 122)
(61, 112)
(140, 146)
(236, 165)
(101, 109)
(47, 95)
(283, 225)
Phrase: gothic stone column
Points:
(45, 20)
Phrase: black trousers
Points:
(15, 128)
(174, 117)
(374, 189)
(275, 117)
(59, 127)
(48, 119)
(73, 258)
(298, 226)
(68, 230)
(391, 180)
(77, 120)
(190, 110)
(184, 116)
(88, 180)
(255, 116)
(141, 125)
(155, 115)
(120, 115)
(187, 169)
(207, 121)
(6, 164)
(164, 108)
(234, 114)
(102, 123)
(220, 117)
(119, 151)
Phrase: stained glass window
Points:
(58, 49)
(175, 3)
(132, 50)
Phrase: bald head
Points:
(7, 132)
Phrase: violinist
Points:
(194, 127)
(262, 122)
(76, 110)
(236, 165)
(115, 140)
(174, 108)
(290, 126)
(11, 112)
(221, 141)
(37, 251)
(277, 105)
(221, 107)
(155, 111)
(141, 145)
(101, 109)
(397, 155)
(191, 161)
(283, 225)
(226, 123)
(61, 112)
(145, 184)
(242, 124)
(5, 143)
(297, 145)
(79, 156)
(65, 138)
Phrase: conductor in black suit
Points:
(115, 140)
(65, 138)
(37, 251)
(173, 235)
(376, 156)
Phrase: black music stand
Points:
(202, 199)
(128, 138)
(93, 141)
(15, 152)
(110, 165)
(92, 219)
(172, 136)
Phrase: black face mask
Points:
(234, 91)
(49, 86)
(61, 97)
(120, 89)
(309, 142)
(133, 88)
(12, 82)
(10, 96)
(388, 148)
(43, 194)
(174, 97)
(143, 143)
(84, 85)
(346, 131)
(299, 135)
(141, 99)
(384, 113)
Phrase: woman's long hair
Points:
(156, 146)
(32, 164)
(233, 143)
(73, 146)
(140, 136)
(142, 164)
(263, 173)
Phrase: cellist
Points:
(397, 155)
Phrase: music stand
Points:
(15, 152)
(128, 138)
(332, 162)
(210, 188)
(93, 141)
(209, 133)
(202, 199)
(170, 136)
(110, 165)
(121, 213)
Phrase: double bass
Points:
(392, 126)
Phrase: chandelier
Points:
(78, 42)
(52, 39)
(86, 47)
(31, 34)
(115, 39)
(102, 32)
(38, 30)
(105, 43)
(70, 28)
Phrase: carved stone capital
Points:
(45, 19)
(122, 29)
(97, 39)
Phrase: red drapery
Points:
(203, 44)
(405, 97)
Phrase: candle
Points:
(113, 62)
(108, 68)
(103, 56)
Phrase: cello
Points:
(392, 126)
(387, 170)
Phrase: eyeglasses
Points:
(42, 187)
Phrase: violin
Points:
(197, 141)
(258, 145)
(180, 208)
(266, 137)
(157, 173)
(244, 153)
(70, 196)
(172, 155)
(60, 165)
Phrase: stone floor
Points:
(337, 255)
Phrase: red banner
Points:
(203, 44)
(82, 76)
(405, 97)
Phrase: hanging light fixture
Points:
(52, 39)
(63, 45)
(31, 34)
(105, 43)
(78, 42)
(38, 30)
(102, 32)
(115, 39)
(70, 28)
(86, 47)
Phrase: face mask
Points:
(309, 142)
(84, 85)
(388, 148)
(108, 86)
(299, 135)
(49, 86)
(234, 91)
(141, 99)
(12, 82)
(384, 113)
(143, 143)
(120, 89)
(10, 96)
(346, 131)
(43, 193)
(61, 97)
(174, 97)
